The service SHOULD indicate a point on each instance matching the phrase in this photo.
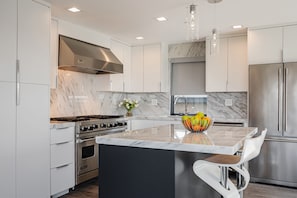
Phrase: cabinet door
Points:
(34, 42)
(265, 46)
(237, 64)
(152, 68)
(216, 68)
(117, 80)
(7, 146)
(33, 142)
(290, 43)
(136, 69)
(54, 52)
(8, 39)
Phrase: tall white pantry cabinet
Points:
(24, 106)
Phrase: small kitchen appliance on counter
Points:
(86, 150)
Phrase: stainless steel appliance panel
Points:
(276, 163)
(290, 97)
(87, 155)
(265, 97)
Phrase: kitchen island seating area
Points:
(214, 170)
(158, 162)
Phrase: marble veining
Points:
(186, 50)
(216, 140)
(216, 105)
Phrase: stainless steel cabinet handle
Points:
(62, 166)
(286, 102)
(59, 143)
(85, 140)
(279, 98)
(18, 76)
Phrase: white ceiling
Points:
(126, 19)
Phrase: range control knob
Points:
(120, 124)
(90, 128)
(83, 128)
(103, 125)
(95, 126)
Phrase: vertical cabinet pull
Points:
(18, 82)
(279, 98)
(286, 102)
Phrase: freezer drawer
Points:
(276, 163)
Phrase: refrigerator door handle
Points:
(279, 98)
(285, 99)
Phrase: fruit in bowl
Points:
(197, 123)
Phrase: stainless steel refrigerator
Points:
(273, 105)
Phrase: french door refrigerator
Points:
(273, 105)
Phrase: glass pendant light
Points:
(192, 23)
(214, 40)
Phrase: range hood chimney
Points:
(79, 56)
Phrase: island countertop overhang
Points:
(216, 140)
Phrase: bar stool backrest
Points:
(252, 147)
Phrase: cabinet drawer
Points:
(62, 178)
(62, 154)
(62, 135)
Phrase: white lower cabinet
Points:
(32, 142)
(8, 135)
(62, 160)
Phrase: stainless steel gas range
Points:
(86, 150)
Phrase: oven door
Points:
(87, 155)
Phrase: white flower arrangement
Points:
(128, 104)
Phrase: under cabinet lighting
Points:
(161, 19)
(237, 26)
(139, 38)
(74, 9)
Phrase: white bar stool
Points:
(214, 170)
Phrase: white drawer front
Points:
(62, 178)
(62, 135)
(62, 154)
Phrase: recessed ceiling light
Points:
(139, 38)
(237, 26)
(161, 19)
(74, 9)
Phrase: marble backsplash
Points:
(75, 95)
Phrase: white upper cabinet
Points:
(8, 21)
(272, 45)
(290, 43)
(120, 82)
(117, 82)
(33, 33)
(136, 69)
(54, 44)
(227, 71)
(147, 68)
(152, 68)
(237, 64)
(265, 45)
(216, 67)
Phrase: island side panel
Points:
(187, 184)
(136, 172)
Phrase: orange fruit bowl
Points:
(197, 127)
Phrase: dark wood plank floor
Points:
(90, 190)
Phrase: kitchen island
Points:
(157, 162)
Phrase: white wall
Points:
(83, 33)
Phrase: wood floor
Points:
(90, 190)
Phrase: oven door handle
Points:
(84, 140)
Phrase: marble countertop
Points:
(178, 118)
(61, 124)
(216, 140)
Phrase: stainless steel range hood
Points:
(79, 56)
